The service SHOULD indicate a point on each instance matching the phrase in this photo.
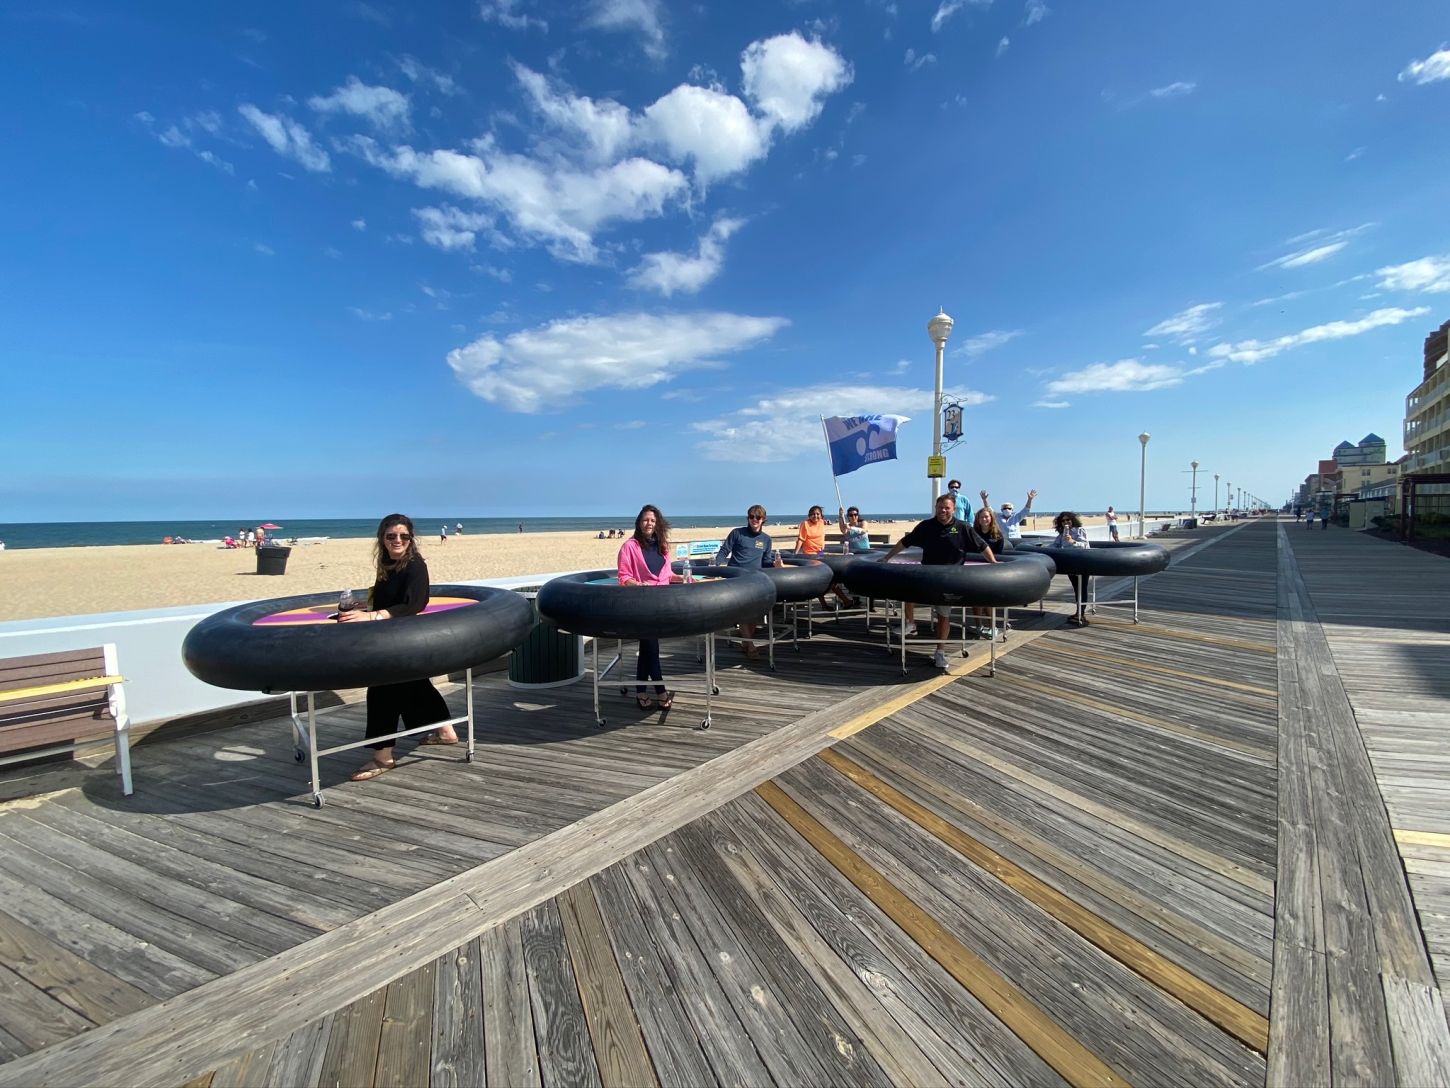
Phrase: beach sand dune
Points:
(44, 582)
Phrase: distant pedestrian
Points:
(521, 526)
(1112, 523)
(1309, 521)
(458, 529)
(443, 533)
(1323, 519)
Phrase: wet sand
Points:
(44, 582)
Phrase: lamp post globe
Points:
(939, 329)
(1142, 484)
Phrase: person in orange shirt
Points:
(810, 538)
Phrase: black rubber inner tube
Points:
(233, 650)
(802, 578)
(724, 596)
(1012, 581)
(1111, 558)
(836, 561)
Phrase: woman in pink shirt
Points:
(644, 560)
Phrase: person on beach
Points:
(810, 536)
(1011, 518)
(1112, 523)
(963, 510)
(750, 547)
(644, 560)
(944, 540)
(458, 529)
(1071, 534)
(858, 540)
(443, 534)
(261, 537)
(400, 588)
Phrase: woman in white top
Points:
(1071, 534)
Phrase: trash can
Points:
(272, 559)
(547, 657)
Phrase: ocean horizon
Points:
(81, 534)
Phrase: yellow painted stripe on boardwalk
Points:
(63, 687)
(1190, 636)
(1154, 723)
(1422, 838)
(1162, 670)
(1232, 1016)
(1074, 1062)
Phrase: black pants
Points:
(647, 664)
(1324, 523)
(1080, 589)
(417, 702)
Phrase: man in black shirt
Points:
(944, 541)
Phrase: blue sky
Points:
(512, 257)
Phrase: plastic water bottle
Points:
(689, 571)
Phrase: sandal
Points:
(667, 700)
(372, 768)
(644, 701)
(438, 738)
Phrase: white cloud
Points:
(264, 250)
(1429, 274)
(787, 424)
(1124, 376)
(604, 129)
(988, 341)
(527, 371)
(631, 425)
(381, 107)
(174, 137)
(1324, 244)
(560, 207)
(1173, 90)
(1003, 45)
(1254, 351)
(288, 138)
(449, 227)
(917, 63)
(1432, 69)
(368, 315)
(1188, 324)
(686, 272)
(945, 10)
(506, 14)
(1313, 255)
(788, 78)
(1052, 404)
(359, 224)
(1037, 10)
(641, 16)
(418, 72)
(706, 127)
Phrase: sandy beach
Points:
(44, 582)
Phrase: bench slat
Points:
(63, 687)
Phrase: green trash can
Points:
(272, 559)
(548, 657)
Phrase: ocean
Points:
(78, 534)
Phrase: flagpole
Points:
(825, 434)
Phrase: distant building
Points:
(1424, 499)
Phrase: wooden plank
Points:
(297, 1057)
(72, 980)
(565, 1054)
(508, 1022)
(250, 1070)
(405, 1045)
(458, 1037)
(1073, 1061)
(351, 1057)
(61, 687)
(618, 1044)
(1227, 1013)
(32, 1016)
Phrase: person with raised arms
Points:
(1011, 518)
(944, 540)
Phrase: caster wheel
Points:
(714, 691)
(317, 800)
(964, 653)
(601, 722)
(468, 757)
(704, 724)
(623, 691)
(299, 755)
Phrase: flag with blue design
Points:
(857, 441)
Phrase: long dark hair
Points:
(1066, 519)
(381, 560)
(662, 529)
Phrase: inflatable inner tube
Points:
(835, 560)
(1112, 558)
(801, 579)
(593, 603)
(291, 644)
(1010, 582)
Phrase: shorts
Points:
(942, 611)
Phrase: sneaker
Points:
(940, 659)
(988, 632)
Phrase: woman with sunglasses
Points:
(399, 589)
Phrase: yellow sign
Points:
(936, 468)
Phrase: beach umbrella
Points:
(269, 525)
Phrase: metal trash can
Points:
(547, 657)
(272, 559)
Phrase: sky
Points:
(516, 257)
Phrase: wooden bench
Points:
(49, 702)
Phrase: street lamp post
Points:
(938, 328)
(1142, 484)
(1215, 494)
(1228, 497)
(1193, 492)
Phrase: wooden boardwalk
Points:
(1127, 858)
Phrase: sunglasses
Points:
(404, 537)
